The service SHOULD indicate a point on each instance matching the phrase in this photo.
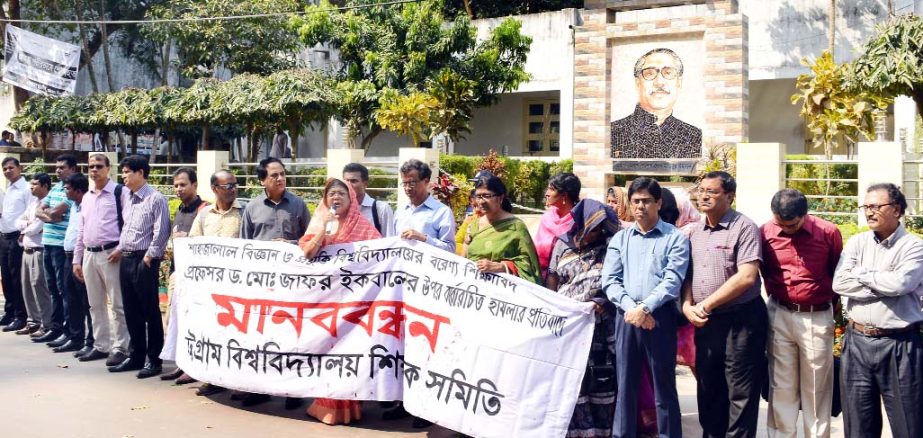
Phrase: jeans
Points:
(56, 272)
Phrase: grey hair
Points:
(640, 63)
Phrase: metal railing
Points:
(816, 180)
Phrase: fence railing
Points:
(831, 186)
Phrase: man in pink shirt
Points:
(94, 264)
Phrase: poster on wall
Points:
(658, 100)
(40, 64)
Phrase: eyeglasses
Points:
(410, 183)
(277, 176)
(228, 186)
(650, 73)
(874, 208)
(483, 197)
(96, 166)
(642, 201)
(709, 192)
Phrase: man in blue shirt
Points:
(643, 274)
(424, 218)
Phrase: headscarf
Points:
(622, 213)
(550, 228)
(687, 212)
(589, 214)
(353, 228)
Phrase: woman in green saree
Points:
(497, 241)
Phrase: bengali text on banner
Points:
(389, 319)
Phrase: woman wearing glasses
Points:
(336, 220)
(497, 241)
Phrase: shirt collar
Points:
(430, 203)
(651, 119)
(367, 201)
(20, 183)
(269, 202)
(109, 187)
(660, 227)
(725, 221)
(893, 238)
(144, 191)
(214, 208)
(193, 206)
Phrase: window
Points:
(542, 127)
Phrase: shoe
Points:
(208, 389)
(239, 395)
(419, 423)
(128, 365)
(61, 340)
(185, 379)
(292, 403)
(149, 370)
(7, 319)
(29, 329)
(115, 359)
(172, 375)
(16, 325)
(50, 335)
(83, 351)
(38, 333)
(395, 414)
(94, 354)
(252, 399)
(70, 345)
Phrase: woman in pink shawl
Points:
(562, 194)
(340, 206)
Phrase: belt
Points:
(133, 253)
(876, 332)
(10, 236)
(32, 250)
(794, 307)
(109, 245)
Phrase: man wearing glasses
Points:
(651, 131)
(95, 264)
(880, 277)
(721, 298)
(800, 254)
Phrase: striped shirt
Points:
(147, 223)
(53, 233)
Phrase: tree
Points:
(891, 62)
(260, 45)
(404, 47)
(406, 114)
(832, 110)
(494, 8)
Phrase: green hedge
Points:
(822, 188)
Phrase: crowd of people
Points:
(673, 282)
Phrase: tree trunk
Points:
(20, 96)
(831, 37)
(165, 63)
(206, 138)
(43, 136)
(468, 9)
(108, 61)
(73, 141)
(134, 141)
(85, 48)
(294, 130)
(170, 138)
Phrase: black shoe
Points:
(128, 365)
(395, 414)
(208, 389)
(239, 395)
(83, 351)
(7, 319)
(16, 325)
(149, 370)
(69, 346)
(49, 336)
(292, 403)
(61, 340)
(419, 423)
(93, 354)
(254, 399)
(172, 375)
(115, 359)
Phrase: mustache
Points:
(659, 90)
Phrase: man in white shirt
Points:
(35, 291)
(14, 205)
(379, 213)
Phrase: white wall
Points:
(782, 32)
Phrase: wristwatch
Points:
(645, 309)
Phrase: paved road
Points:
(52, 395)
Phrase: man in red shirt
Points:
(800, 255)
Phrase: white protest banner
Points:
(40, 64)
(389, 319)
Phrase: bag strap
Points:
(375, 216)
(118, 205)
